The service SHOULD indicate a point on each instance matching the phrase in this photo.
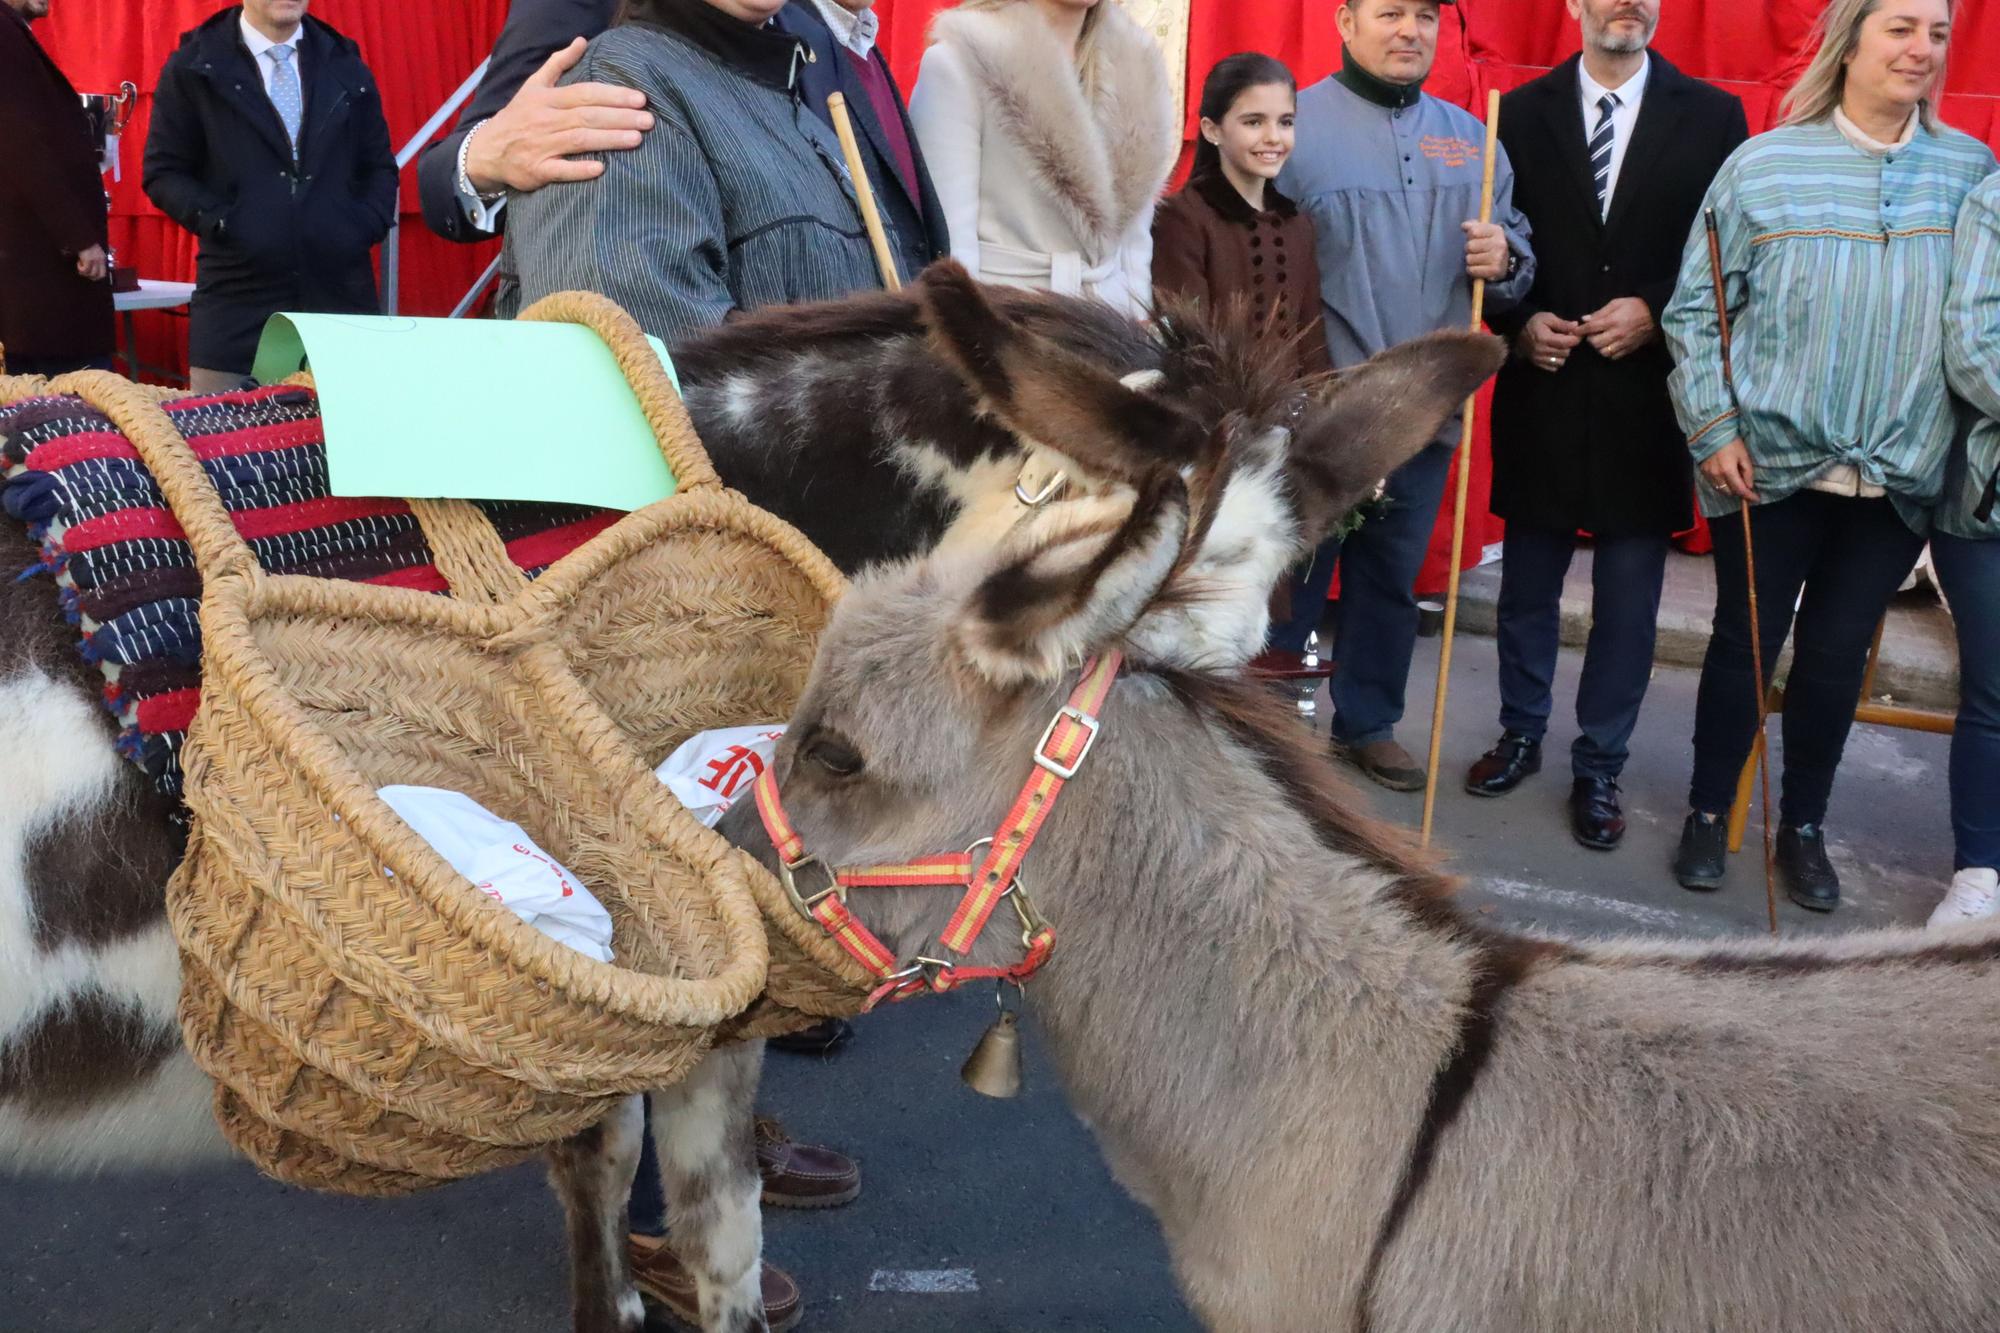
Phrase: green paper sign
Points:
(472, 409)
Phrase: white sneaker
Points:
(1975, 893)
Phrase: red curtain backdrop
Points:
(420, 52)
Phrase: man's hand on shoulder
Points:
(533, 140)
(1485, 251)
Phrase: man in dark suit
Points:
(269, 144)
(521, 131)
(841, 34)
(1612, 152)
(55, 305)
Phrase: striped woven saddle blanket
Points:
(123, 570)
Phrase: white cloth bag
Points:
(711, 769)
(504, 863)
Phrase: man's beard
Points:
(1603, 40)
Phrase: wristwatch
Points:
(464, 181)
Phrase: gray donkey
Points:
(1349, 1106)
(884, 426)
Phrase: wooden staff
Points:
(1758, 757)
(864, 193)
(1464, 484)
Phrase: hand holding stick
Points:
(1758, 755)
(1464, 482)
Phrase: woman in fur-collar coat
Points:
(1049, 129)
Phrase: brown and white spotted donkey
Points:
(1349, 1106)
(883, 426)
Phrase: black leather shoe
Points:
(1809, 877)
(1513, 759)
(1594, 815)
(1704, 851)
(820, 1039)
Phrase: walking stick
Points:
(864, 193)
(1759, 757)
(1464, 484)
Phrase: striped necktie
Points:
(1600, 151)
(285, 94)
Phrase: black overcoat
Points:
(1595, 445)
(277, 233)
(51, 208)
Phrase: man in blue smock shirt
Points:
(1390, 177)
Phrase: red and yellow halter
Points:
(986, 878)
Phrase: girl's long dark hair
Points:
(1230, 78)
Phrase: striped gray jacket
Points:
(737, 198)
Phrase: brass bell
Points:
(994, 1067)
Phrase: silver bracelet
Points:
(465, 181)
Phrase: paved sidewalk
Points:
(1918, 667)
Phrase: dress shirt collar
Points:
(1628, 92)
(854, 31)
(259, 43)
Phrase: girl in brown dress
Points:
(1229, 234)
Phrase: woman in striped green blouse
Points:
(1836, 233)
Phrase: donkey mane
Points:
(775, 333)
(1288, 755)
(1226, 359)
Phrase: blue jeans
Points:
(1626, 576)
(1375, 622)
(1970, 573)
(1848, 555)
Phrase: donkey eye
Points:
(835, 756)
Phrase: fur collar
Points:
(1103, 159)
(1214, 189)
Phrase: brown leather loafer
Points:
(664, 1279)
(1385, 763)
(798, 1175)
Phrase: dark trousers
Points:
(1848, 555)
(54, 365)
(1970, 573)
(647, 1207)
(1626, 576)
(1376, 621)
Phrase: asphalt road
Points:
(1005, 1201)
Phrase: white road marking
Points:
(926, 1281)
(1568, 900)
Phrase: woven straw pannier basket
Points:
(373, 1024)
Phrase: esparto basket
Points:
(373, 1024)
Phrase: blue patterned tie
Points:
(1600, 151)
(285, 92)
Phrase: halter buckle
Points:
(930, 969)
(1044, 495)
(1032, 921)
(1046, 761)
(805, 904)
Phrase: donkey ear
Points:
(1071, 579)
(1369, 421)
(1048, 396)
